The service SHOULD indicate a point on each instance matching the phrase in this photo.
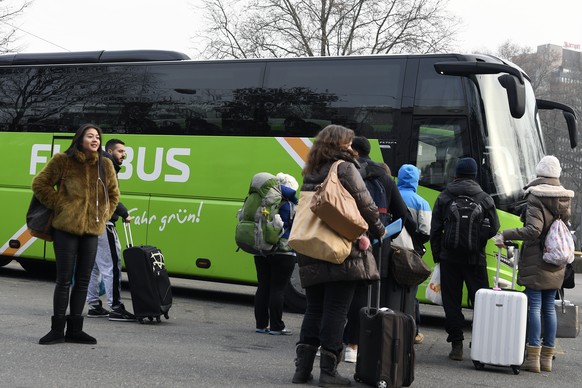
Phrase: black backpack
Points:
(378, 193)
(463, 223)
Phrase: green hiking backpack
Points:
(259, 225)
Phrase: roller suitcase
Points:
(149, 283)
(386, 350)
(499, 323)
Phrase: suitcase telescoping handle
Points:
(128, 236)
(379, 264)
(512, 252)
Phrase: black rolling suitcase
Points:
(386, 350)
(393, 295)
(149, 284)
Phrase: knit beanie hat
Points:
(466, 168)
(361, 145)
(549, 167)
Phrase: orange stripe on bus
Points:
(23, 238)
(298, 146)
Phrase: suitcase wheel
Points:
(479, 365)
(515, 369)
(158, 319)
(151, 318)
(166, 316)
(381, 384)
(140, 320)
(356, 378)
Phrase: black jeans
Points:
(326, 313)
(360, 299)
(452, 277)
(75, 256)
(273, 274)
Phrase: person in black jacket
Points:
(329, 287)
(396, 208)
(108, 259)
(458, 267)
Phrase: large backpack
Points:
(259, 227)
(463, 221)
(378, 193)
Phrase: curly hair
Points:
(331, 143)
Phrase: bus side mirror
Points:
(572, 128)
(515, 94)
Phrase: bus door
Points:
(440, 142)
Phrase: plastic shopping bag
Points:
(433, 290)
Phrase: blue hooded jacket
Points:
(408, 177)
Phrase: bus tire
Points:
(295, 301)
(39, 268)
(5, 260)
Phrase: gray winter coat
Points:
(360, 265)
(546, 200)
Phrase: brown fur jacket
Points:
(82, 204)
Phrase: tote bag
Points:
(39, 220)
(312, 237)
(433, 290)
(336, 206)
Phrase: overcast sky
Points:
(78, 25)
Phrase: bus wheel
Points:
(39, 268)
(295, 294)
(5, 260)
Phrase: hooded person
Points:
(546, 200)
(408, 177)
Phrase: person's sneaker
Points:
(121, 314)
(262, 331)
(350, 355)
(97, 311)
(280, 332)
(419, 338)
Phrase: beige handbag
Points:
(337, 208)
(312, 237)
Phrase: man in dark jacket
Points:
(456, 266)
(108, 258)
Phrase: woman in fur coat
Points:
(85, 198)
(546, 201)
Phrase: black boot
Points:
(328, 376)
(304, 363)
(75, 331)
(57, 333)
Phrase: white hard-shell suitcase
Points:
(499, 323)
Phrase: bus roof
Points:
(91, 57)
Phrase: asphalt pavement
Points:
(209, 341)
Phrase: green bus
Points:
(197, 131)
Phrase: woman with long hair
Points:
(81, 188)
(329, 288)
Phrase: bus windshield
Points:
(512, 146)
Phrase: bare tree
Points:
(543, 68)
(278, 28)
(8, 13)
